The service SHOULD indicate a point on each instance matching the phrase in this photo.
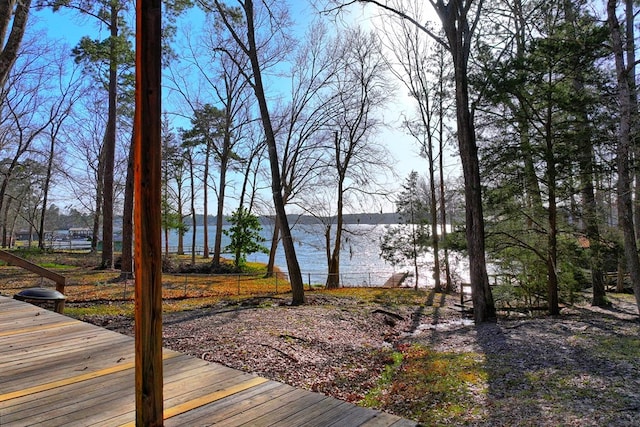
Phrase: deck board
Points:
(56, 371)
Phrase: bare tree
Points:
(83, 154)
(359, 91)
(302, 119)
(106, 60)
(60, 111)
(221, 83)
(418, 69)
(27, 110)
(243, 28)
(459, 19)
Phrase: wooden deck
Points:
(56, 371)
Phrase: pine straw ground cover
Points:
(380, 348)
(412, 354)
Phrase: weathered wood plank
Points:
(57, 403)
(46, 406)
(403, 422)
(11, 310)
(23, 338)
(250, 415)
(354, 416)
(32, 328)
(75, 374)
(38, 315)
(92, 393)
(228, 406)
(87, 343)
(396, 280)
(382, 419)
(62, 366)
(308, 416)
(281, 412)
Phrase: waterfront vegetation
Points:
(439, 369)
(91, 290)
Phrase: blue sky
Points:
(67, 26)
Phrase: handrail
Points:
(12, 259)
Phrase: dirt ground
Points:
(578, 369)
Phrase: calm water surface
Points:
(360, 261)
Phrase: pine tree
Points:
(410, 240)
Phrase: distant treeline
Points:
(359, 218)
(61, 221)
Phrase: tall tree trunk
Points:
(110, 146)
(126, 259)
(333, 271)
(222, 183)
(414, 241)
(275, 239)
(630, 51)
(180, 248)
(458, 31)
(552, 236)
(18, 22)
(435, 238)
(205, 208)
(443, 204)
(5, 222)
(453, 16)
(295, 275)
(625, 202)
(586, 160)
(194, 223)
(95, 231)
(45, 191)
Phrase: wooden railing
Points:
(12, 259)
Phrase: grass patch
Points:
(431, 387)
(618, 347)
(384, 296)
(373, 397)
(117, 309)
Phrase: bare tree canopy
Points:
(14, 15)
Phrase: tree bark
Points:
(222, 184)
(45, 191)
(552, 218)
(625, 202)
(18, 22)
(194, 222)
(333, 271)
(126, 259)
(586, 161)
(295, 275)
(205, 207)
(110, 147)
(453, 16)
(275, 239)
(443, 204)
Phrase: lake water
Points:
(360, 261)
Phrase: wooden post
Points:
(147, 215)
